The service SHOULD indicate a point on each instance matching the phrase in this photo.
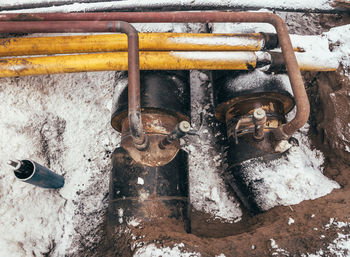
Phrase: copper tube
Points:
(77, 24)
(138, 135)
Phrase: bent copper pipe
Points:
(138, 135)
(83, 22)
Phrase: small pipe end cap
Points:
(184, 126)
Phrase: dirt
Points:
(255, 239)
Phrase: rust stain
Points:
(5, 42)
(26, 17)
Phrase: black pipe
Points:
(147, 194)
(251, 113)
(33, 173)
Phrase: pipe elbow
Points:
(127, 28)
(275, 20)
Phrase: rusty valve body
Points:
(165, 104)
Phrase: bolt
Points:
(259, 114)
(14, 164)
(184, 126)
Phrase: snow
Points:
(140, 181)
(256, 78)
(290, 221)
(339, 38)
(241, 28)
(62, 122)
(314, 49)
(152, 250)
(5, 3)
(319, 5)
(340, 246)
(276, 250)
(236, 56)
(226, 41)
(290, 179)
(207, 191)
(310, 43)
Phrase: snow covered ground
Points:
(94, 5)
(63, 122)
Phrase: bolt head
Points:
(259, 114)
(185, 126)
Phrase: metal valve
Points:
(259, 119)
(181, 129)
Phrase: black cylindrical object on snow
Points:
(33, 173)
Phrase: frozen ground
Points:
(62, 122)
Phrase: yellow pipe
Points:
(177, 60)
(314, 61)
(118, 61)
(118, 42)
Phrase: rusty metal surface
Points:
(139, 138)
(147, 194)
(302, 103)
(250, 139)
(161, 91)
(179, 131)
(285, 99)
(244, 110)
(157, 126)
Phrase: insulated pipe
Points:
(119, 61)
(175, 60)
(148, 42)
(77, 25)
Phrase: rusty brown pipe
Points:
(84, 22)
(138, 135)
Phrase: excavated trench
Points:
(254, 235)
(329, 96)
